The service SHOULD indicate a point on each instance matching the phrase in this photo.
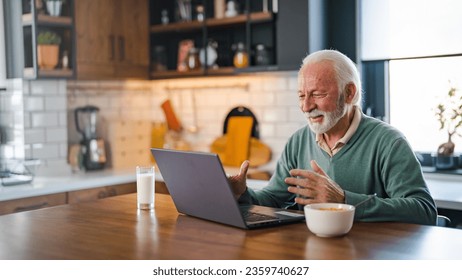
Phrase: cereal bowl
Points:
(329, 219)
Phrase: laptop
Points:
(199, 187)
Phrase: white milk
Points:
(145, 188)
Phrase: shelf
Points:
(212, 22)
(53, 73)
(177, 27)
(28, 19)
(175, 74)
(222, 71)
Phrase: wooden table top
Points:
(113, 228)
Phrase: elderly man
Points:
(343, 155)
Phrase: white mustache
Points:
(315, 113)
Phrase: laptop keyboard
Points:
(257, 217)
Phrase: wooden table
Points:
(113, 228)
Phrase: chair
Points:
(443, 221)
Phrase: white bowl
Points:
(329, 219)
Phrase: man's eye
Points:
(319, 95)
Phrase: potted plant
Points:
(48, 49)
(449, 116)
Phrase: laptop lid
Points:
(199, 187)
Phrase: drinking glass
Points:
(145, 187)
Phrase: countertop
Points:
(84, 180)
(445, 189)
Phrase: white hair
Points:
(345, 69)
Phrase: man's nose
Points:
(308, 105)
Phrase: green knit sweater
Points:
(377, 159)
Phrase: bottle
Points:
(241, 58)
(164, 17)
(65, 60)
(219, 6)
(262, 55)
(192, 61)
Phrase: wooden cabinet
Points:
(112, 39)
(43, 201)
(26, 22)
(32, 203)
(254, 24)
(99, 193)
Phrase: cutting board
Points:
(238, 145)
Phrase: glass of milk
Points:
(145, 183)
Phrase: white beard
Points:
(330, 119)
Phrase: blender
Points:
(93, 148)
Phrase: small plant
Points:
(48, 38)
(449, 115)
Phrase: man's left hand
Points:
(314, 186)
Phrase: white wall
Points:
(271, 97)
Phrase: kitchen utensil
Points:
(371, 196)
(172, 121)
(242, 111)
(93, 147)
(259, 152)
(256, 151)
(194, 128)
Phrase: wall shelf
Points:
(26, 19)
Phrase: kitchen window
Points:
(417, 86)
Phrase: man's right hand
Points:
(238, 182)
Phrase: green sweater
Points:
(377, 159)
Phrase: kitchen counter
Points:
(445, 189)
(67, 182)
(83, 180)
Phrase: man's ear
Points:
(350, 92)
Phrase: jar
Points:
(164, 17)
(192, 61)
(200, 13)
(159, 59)
(262, 55)
(241, 58)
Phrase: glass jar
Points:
(262, 55)
(159, 58)
(192, 61)
(241, 58)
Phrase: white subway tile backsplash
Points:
(274, 114)
(62, 119)
(262, 99)
(32, 136)
(267, 130)
(287, 98)
(45, 151)
(33, 103)
(55, 103)
(296, 115)
(44, 87)
(44, 119)
(54, 135)
(285, 130)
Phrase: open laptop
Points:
(199, 187)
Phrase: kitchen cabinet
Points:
(112, 39)
(288, 30)
(252, 25)
(99, 193)
(43, 201)
(32, 203)
(26, 21)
